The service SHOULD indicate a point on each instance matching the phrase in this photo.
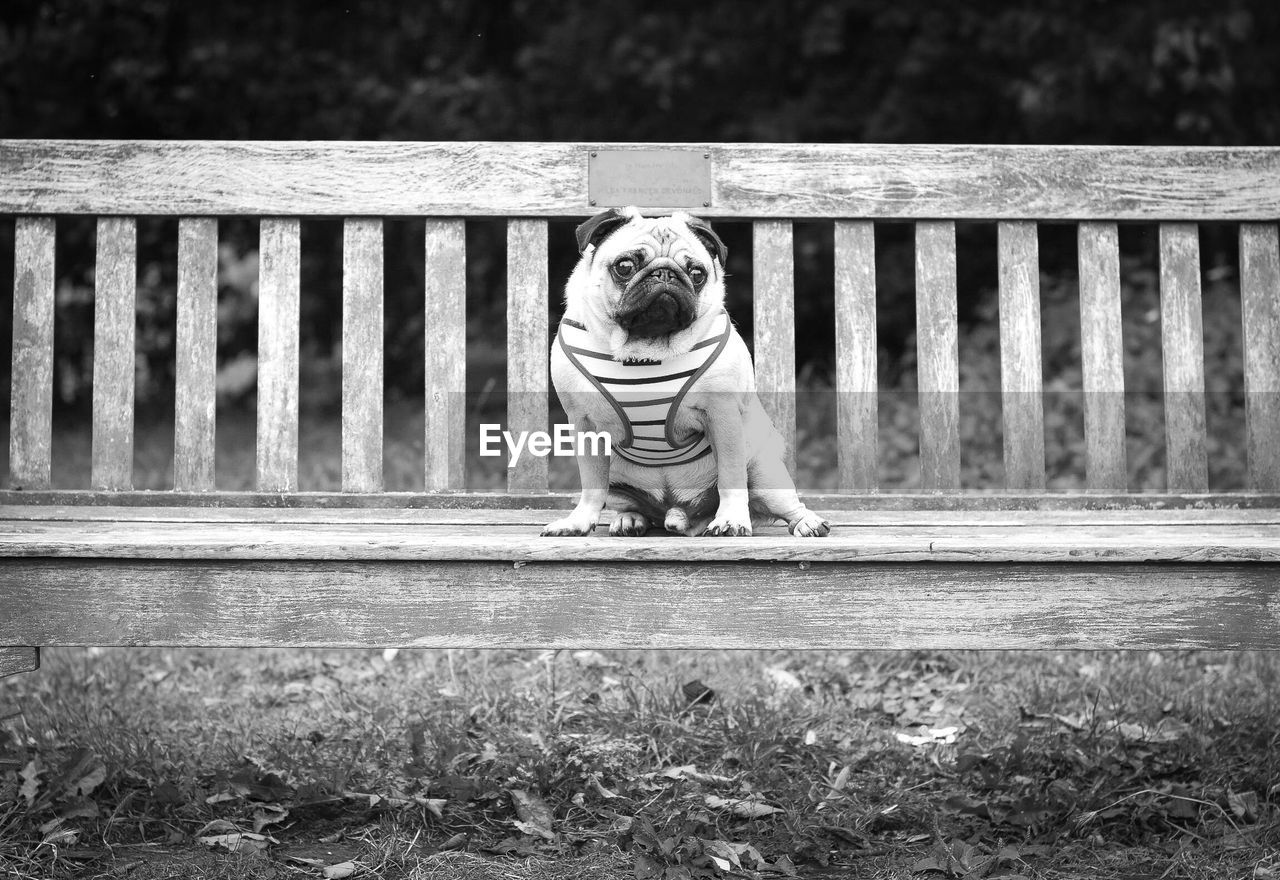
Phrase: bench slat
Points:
(1040, 539)
(1182, 341)
(549, 501)
(528, 378)
(856, 361)
(362, 310)
(774, 326)
(1021, 380)
(278, 311)
(196, 360)
(1102, 357)
(534, 518)
(937, 356)
(31, 415)
(445, 372)
(458, 179)
(114, 302)
(747, 604)
(1260, 295)
(18, 659)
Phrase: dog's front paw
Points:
(629, 524)
(810, 525)
(728, 527)
(568, 527)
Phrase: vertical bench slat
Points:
(1182, 341)
(1021, 381)
(31, 418)
(773, 331)
(856, 395)
(528, 379)
(362, 309)
(115, 298)
(1102, 357)
(280, 251)
(1260, 301)
(446, 363)
(196, 365)
(937, 356)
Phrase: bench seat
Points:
(1184, 571)
(828, 225)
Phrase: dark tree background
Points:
(1030, 71)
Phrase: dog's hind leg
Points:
(632, 515)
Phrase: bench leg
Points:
(15, 660)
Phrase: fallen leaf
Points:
(338, 871)
(30, 781)
(594, 660)
(1244, 805)
(1166, 731)
(535, 815)
(747, 809)
(240, 843)
(64, 837)
(783, 680)
(268, 815)
(931, 736)
(598, 787)
(691, 772)
(695, 692)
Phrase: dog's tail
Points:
(677, 521)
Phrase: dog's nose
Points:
(665, 275)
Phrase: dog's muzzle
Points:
(659, 302)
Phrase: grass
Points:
(1038, 765)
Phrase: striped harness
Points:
(647, 394)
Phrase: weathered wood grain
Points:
(856, 363)
(528, 341)
(15, 660)
(938, 356)
(114, 302)
(1102, 357)
(1182, 342)
(842, 519)
(196, 357)
(445, 272)
(278, 313)
(1047, 541)
(548, 501)
(656, 605)
(1260, 304)
(864, 181)
(774, 326)
(362, 310)
(1021, 384)
(31, 401)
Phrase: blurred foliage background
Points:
(1188, 72)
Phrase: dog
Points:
(647, 354)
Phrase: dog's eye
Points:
(624, 268)
(697, 275)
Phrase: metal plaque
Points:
(649, 178)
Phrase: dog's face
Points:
(649, 278)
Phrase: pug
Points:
(647, 354)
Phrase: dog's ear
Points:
(709, 239)
(601, 226)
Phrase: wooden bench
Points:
(108, 565)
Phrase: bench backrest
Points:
(771, 185)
